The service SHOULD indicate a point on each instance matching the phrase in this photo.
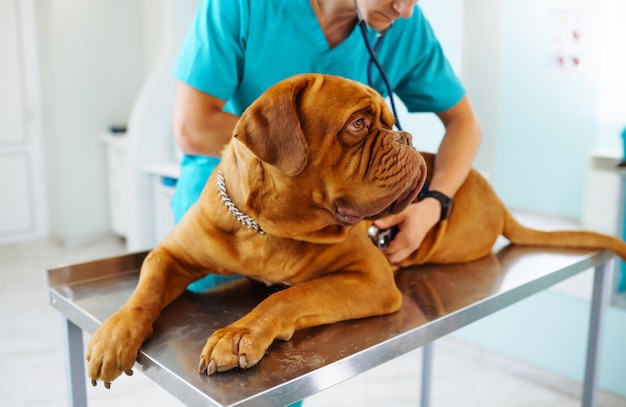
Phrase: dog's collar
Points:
(241, 217)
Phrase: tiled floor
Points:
(32, 367)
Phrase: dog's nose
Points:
(403, 137)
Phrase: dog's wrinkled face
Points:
(326, 155)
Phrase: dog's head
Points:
(320, 155)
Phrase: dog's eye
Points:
(356, 128)
(358, 124)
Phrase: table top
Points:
(437, 300)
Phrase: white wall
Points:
(92, 63)
(541, 122)
(540, 125)
(612, 75)
(446, 19)
(547, 115)
(482, 45)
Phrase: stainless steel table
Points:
(437, 301)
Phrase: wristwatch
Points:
(447, 203)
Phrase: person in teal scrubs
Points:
(236, 49)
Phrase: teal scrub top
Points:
(236, 49)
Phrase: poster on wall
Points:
(571, 40)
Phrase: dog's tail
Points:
(518, 234)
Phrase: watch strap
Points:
(447, 203)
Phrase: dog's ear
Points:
(271, 129)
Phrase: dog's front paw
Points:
(232, 347)
(114, 347)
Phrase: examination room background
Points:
(552, 110)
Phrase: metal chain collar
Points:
(241, 217)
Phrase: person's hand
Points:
(413, 224)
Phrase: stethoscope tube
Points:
(373, 59)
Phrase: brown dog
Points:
(311, 159)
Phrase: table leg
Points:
(599, 302)
(427, 362)
(74, 364)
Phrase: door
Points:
(22, 197)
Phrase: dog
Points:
(313, 161)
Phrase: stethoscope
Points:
(373, 59)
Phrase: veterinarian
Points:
(236, 49)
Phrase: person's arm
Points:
(201, 127)
(458, 147)
(454, 160)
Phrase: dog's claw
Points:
(212, 367)
(129, 372)
(243, 361)
(209, 369)
(107, 385)
(94, 383)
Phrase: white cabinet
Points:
(116, 152)
(601, 206)
(164, 179)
